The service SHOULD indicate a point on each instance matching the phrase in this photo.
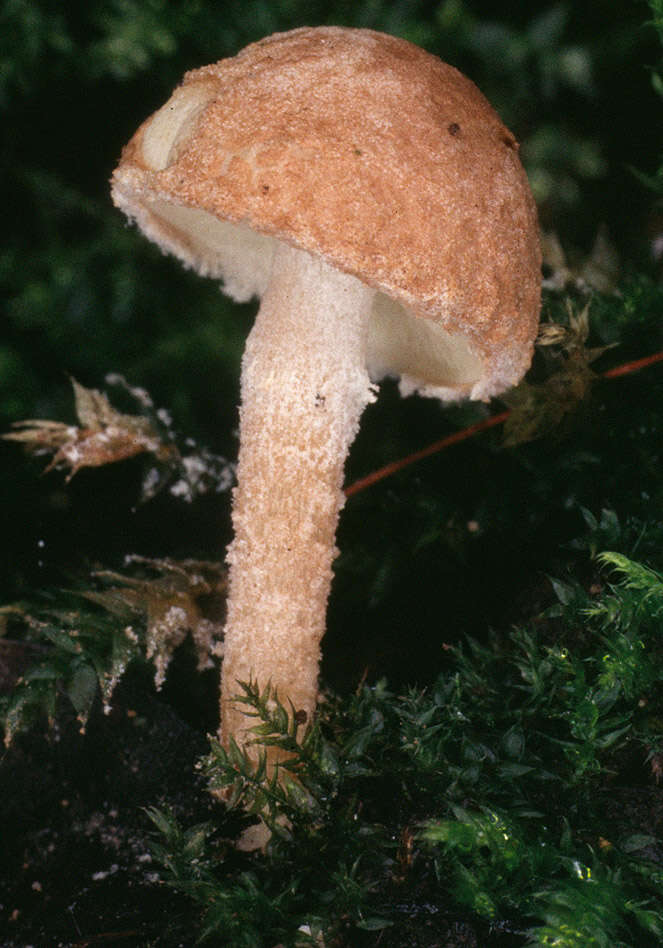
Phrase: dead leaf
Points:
(186, 596)
(104, 436)
(539, 408)
(599, 270)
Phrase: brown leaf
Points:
(105, 436)
(599, 270)
(92, 407)
(539, 408)
(186, 596)
(40, 437)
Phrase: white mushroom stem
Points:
(304, 387)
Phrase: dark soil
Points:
(75, 865)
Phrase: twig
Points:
(463, 434)
(629, 367)
(104, 937)
(394, 466)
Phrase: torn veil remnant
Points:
(371, 198)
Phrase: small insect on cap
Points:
(369, 152)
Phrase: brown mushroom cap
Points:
(368, 151)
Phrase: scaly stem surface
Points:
(304, 387)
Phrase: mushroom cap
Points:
(368, 151)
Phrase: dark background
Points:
(461, 543)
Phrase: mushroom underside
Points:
(427, 358)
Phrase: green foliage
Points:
(483, 795)
(29, 31)
(75, 654)
(241, 910)
(495, 777)
(245, 784)
(492, 782)
(655, 181)
(81, 644)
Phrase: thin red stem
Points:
(433, 448)
(629, 367)
(483, 425)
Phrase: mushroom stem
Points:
(304, 387)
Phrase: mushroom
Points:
(372, 199)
